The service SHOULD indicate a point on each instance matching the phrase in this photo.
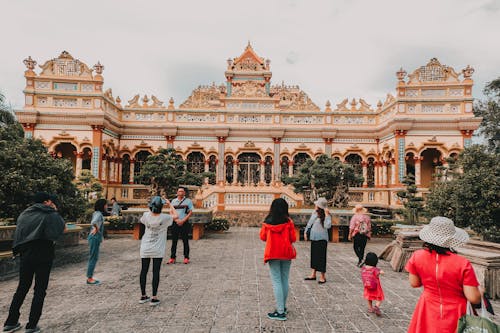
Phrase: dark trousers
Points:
(359, 245)
(183, 232)
(156, 274)
(30, 268)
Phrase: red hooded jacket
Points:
(279, 239)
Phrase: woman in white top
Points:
(153, 245)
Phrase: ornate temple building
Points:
(249, 132)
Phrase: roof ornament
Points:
(98, 68)
(467, 72)
(401, 74)
(29, 63)
(328, 106)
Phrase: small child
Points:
(373, 289)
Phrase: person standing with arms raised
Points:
(181, 226)
(38, 227)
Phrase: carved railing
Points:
(210, 201)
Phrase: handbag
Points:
(469, 323)
(308, 233)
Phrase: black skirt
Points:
(318, 255)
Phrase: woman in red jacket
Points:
(279, 233)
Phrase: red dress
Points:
(376, 294)
(442, 301)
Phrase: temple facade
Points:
(250, 132)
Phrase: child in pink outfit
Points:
(371, 280)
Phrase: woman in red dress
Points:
(448, 279)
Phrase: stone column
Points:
(170, 141)
(328, 146)
(96, 164)
(104, 165)
(376, 173)
(277, 166)
(262, 164)
(119, 171)
(364, 164)
(220, 167)
(131, 172)
(112, 170)
(207, 161)
(78, 168)
(235, 172)
(384, 173)
(418, 170)
(467, 137)
(290, 168)
(393, 171)
(400, 155)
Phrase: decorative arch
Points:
(195, 162)
(140, 158)
(125, 176)
(355, 159)
(66, 150)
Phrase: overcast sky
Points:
(332, 49)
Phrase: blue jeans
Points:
(280, 270)
(94, 243)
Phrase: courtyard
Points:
(226, 288)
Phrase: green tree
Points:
(472, 196)
(324, 177)
(489, 110)
(163, 171)
(27, 168)
(412, 203)
(88, 184)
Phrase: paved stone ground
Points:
(226, 288)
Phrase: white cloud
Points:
(332, 49)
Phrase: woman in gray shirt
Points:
(319, 223)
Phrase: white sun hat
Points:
(321, 203)
(442, 232)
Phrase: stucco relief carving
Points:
(204, 97)
(156, 102)
(65, 65)
(292, 98)
(134, 102)
(433, 72)
(249, 89)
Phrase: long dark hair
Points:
(278, 213)
(99, 205)
(438, 249)
(321, 215)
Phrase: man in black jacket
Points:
(38, 227)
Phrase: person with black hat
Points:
(38, 227)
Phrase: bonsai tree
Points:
(412, 203)
(324, 177)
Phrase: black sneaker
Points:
(276, 316)
(154, 302)
(11, 328)
(33, 330)
(144, 299)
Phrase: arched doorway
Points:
(355, 161)
(140, 159)
(229, 169)
(125, 169)
(248, 168)
(298, 160)
(431, 159)
(67, 151)
(195, 162)
(370, 172)
(285, 166)
(86, 158)
(268, 170)
(410, 164)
